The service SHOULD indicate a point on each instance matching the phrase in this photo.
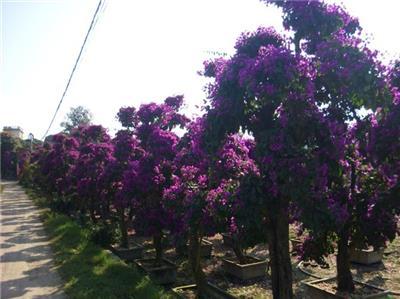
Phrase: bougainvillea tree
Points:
(95, 152)
(126, 150)
(55, 164)
(185, 199)
(267, 90)
(238, 206)
(203, 197)
(146, 178)
(348, 78)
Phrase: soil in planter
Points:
(212, 292)
(360, 290)
(385, 275)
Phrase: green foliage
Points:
(90, 271)
(76, 117)
(103, 234)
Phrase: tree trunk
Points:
(344, 278)
(123, 228)
(93, 216)
(106, 209)
(238, 250)
(157, 242)
(281, 266)
(194, 256)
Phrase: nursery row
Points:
(300, 130)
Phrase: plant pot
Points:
(227, 239)
(256, 268)
(212, 291)
(135, 251)
(163, 274)
(315, 290)
(205, 249)
(296, 243)
(366, 256)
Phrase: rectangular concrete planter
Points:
(255, 269)
(213, 292)
(164, 274)
(366, 256)
(314, 291)
(135, 251)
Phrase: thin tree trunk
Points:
(157, 242)
(344, 278)
(281, 267)
(195, 262)
(106, 209)
(238, 250)
(123, 228)
(92, 211)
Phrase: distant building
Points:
(15, 132)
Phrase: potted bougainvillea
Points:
(126, 150)
(95, 152)
(239, 206)
(346, 77)
(266, 90)
(55, 164)
(192, 200)
(146, 178)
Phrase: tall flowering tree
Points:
(267, 90)
(348, 78)
(146, 177)
(55, 165)
(238, 198)
(95, 152)
(126, 150)
(204, 189)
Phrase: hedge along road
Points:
(26, 264)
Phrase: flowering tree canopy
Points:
(146, 177)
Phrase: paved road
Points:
(26, 266)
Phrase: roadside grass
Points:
(88, 270)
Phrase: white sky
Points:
(139, 51)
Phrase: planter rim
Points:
(382, 291)
(258, 262)
(132, 244)
(167, 261)
(192, 286)
(368, 250)
(206, 242)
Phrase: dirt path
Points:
(26, 266)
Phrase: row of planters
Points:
(309, 157)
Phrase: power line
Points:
(92, 25)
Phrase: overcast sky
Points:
(139, 51)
